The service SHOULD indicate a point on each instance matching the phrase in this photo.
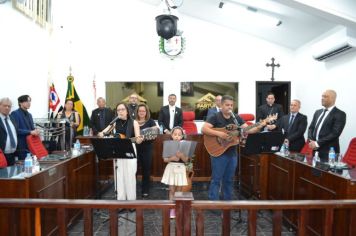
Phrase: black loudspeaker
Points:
(166, 26)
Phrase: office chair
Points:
(306, 150)
(189, 125)
(3, 161)
(36, 146)
(350, 155)
(248, 118)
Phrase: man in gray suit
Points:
(326, 126)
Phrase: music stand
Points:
(265, 142)
(114, 148)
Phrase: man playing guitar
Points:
(224, 166)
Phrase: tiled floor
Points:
(153, 218)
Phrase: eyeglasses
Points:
(121, 109)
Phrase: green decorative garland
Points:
(162, 48)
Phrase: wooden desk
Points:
(69, 179)
(254, 175)
(280, 178)
(202, 169)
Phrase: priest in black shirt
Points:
(270, 108)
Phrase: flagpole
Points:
(94, 89)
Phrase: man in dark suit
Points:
(24, 121)
(100, 117)
(293, 127)
(170, 115)
(8, 136)
(326, 126)
(270, 108)
(217, 107)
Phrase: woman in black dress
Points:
(144, 150)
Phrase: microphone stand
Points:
(109, 128)
(238, 219)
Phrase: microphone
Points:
(114, 120)
(234, 118)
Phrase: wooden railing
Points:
(184, 205)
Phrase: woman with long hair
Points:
(72, 122)
(144, 150)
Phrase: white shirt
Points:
(321, 124)
(172, 110)
(8, 148)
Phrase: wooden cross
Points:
(272, 65)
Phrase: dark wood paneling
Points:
(288, 179)
(254, 173)
(72, 178)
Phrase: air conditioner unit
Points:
(337, 44)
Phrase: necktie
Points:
(319, 122)
(290, 122)
(11, 135)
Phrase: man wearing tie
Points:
(270, 108)
(100, 117)
(293, 127)
(8, 136)
(170, 115)
(217, 107)
(326, 126)
(24, 122)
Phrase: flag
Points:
(54, 103)
(78, 105)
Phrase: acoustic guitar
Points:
(216, 146)
(149, 133)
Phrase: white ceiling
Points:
(302, 20)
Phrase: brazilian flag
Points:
(78, 105)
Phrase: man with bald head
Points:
(326, 126)
(293, 126)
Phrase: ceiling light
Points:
(249, 15)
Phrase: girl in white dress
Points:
(175, 172)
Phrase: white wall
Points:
(117, 41)
(311, 78)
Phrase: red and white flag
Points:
(54, 102)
